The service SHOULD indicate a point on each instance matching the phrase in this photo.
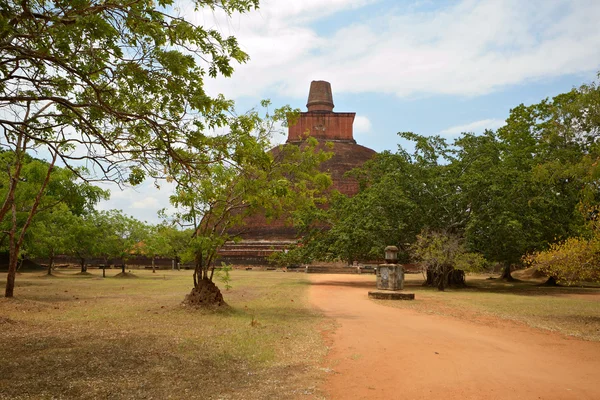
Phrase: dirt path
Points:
(380, 352)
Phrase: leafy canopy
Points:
(110, 86)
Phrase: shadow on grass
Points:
(522, 288)
(518, 287)
(135, 366)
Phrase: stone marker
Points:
(390, 278)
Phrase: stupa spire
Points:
(320, 121)
(320, 97)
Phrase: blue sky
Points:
(430, 67)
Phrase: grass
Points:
(74, 336)
(82, 336)
(571, 311)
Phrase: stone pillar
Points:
(390, 277)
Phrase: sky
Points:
(431, 67)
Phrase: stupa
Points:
(261, 237)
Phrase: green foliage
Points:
(123, 235)
(118, 79)
(438, 251)
(224, 276)
(43, 206)
(239, 176)
(86, 239)
(110, 90)
(524, 184)
(156, 242)
(506, 193)
(49, 234)
(570, 261)
(164, 240)
(400, 194)
(62, 188)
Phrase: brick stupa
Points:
(262, 237)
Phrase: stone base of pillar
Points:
(390, 277)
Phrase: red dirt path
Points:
(380, 352)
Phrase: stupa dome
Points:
(262, 237)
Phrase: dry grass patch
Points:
(88, 337)
(572, 311)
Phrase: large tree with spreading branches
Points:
(111, 90)
(250, 178)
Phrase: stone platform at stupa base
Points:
(390, 295)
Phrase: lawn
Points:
(74, 336)
(571, 311)
(82, 336)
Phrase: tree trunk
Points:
(173, 264)
(104, 267)
(16, 242)
(198, 270)
(10, 279)
(13, 255)
(83, 266)
(20, 149)
(506, 273)
(50, 265)
(442, 279)
(153, 267)
(123, 267)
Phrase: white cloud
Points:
(147, 203)
(362, 124)
(469, 48)
(473, 127)
(141, 202)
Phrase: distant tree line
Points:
(65, 222)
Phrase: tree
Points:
(156, 243)
(215, 199)
(523, 185)
(116, 78)
(48, 236)
(572, 260)
(506, 193)
(120, 236)
(178, 242)
(114, 86)
(43, 187)
(400, 195)
(445, 259)
(496, 193)
(84, 240)
(105, 241)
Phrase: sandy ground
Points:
(380, 352)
